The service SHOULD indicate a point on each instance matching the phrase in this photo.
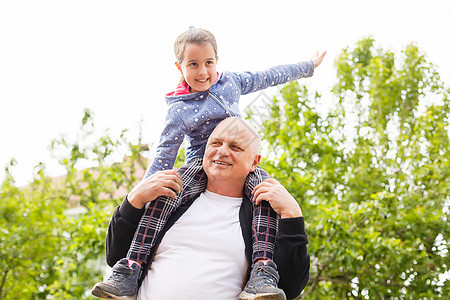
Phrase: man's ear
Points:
(255, 162)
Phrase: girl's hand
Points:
(317, 60)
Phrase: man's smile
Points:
(221, 163)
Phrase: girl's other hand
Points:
(317, 60)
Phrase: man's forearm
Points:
(121, 231)
(291, 256)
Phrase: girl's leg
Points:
(264, 224)
(158, 211)
(263, 281)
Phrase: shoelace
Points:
(120, 272)
(270, 278)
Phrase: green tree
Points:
(47, 252)
(372, 175)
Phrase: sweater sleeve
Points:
(254, 81)
(169, 143)
(291, 256)
(121, 230)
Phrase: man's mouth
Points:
(221, 163)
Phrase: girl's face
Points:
(199, 66)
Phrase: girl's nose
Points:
(202, 70)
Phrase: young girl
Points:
(201, 100)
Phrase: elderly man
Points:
(204, 250)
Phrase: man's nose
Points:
(223, 150)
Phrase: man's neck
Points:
(226, 189)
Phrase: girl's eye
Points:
(193, 64)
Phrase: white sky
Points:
(116, 57)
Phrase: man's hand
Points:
(162, 183)
(317, 60)
(279, 198)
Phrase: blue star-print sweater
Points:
(194, 116)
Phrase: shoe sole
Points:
(99, 292)
(262, 296)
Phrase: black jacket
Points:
(291, 255)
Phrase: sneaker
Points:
(122, 284)
(263, 283)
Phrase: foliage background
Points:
(371, 175)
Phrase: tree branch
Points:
(3, 283)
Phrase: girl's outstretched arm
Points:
(250, 82)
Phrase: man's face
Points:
(231, 152)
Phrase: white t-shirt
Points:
(202, 256)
